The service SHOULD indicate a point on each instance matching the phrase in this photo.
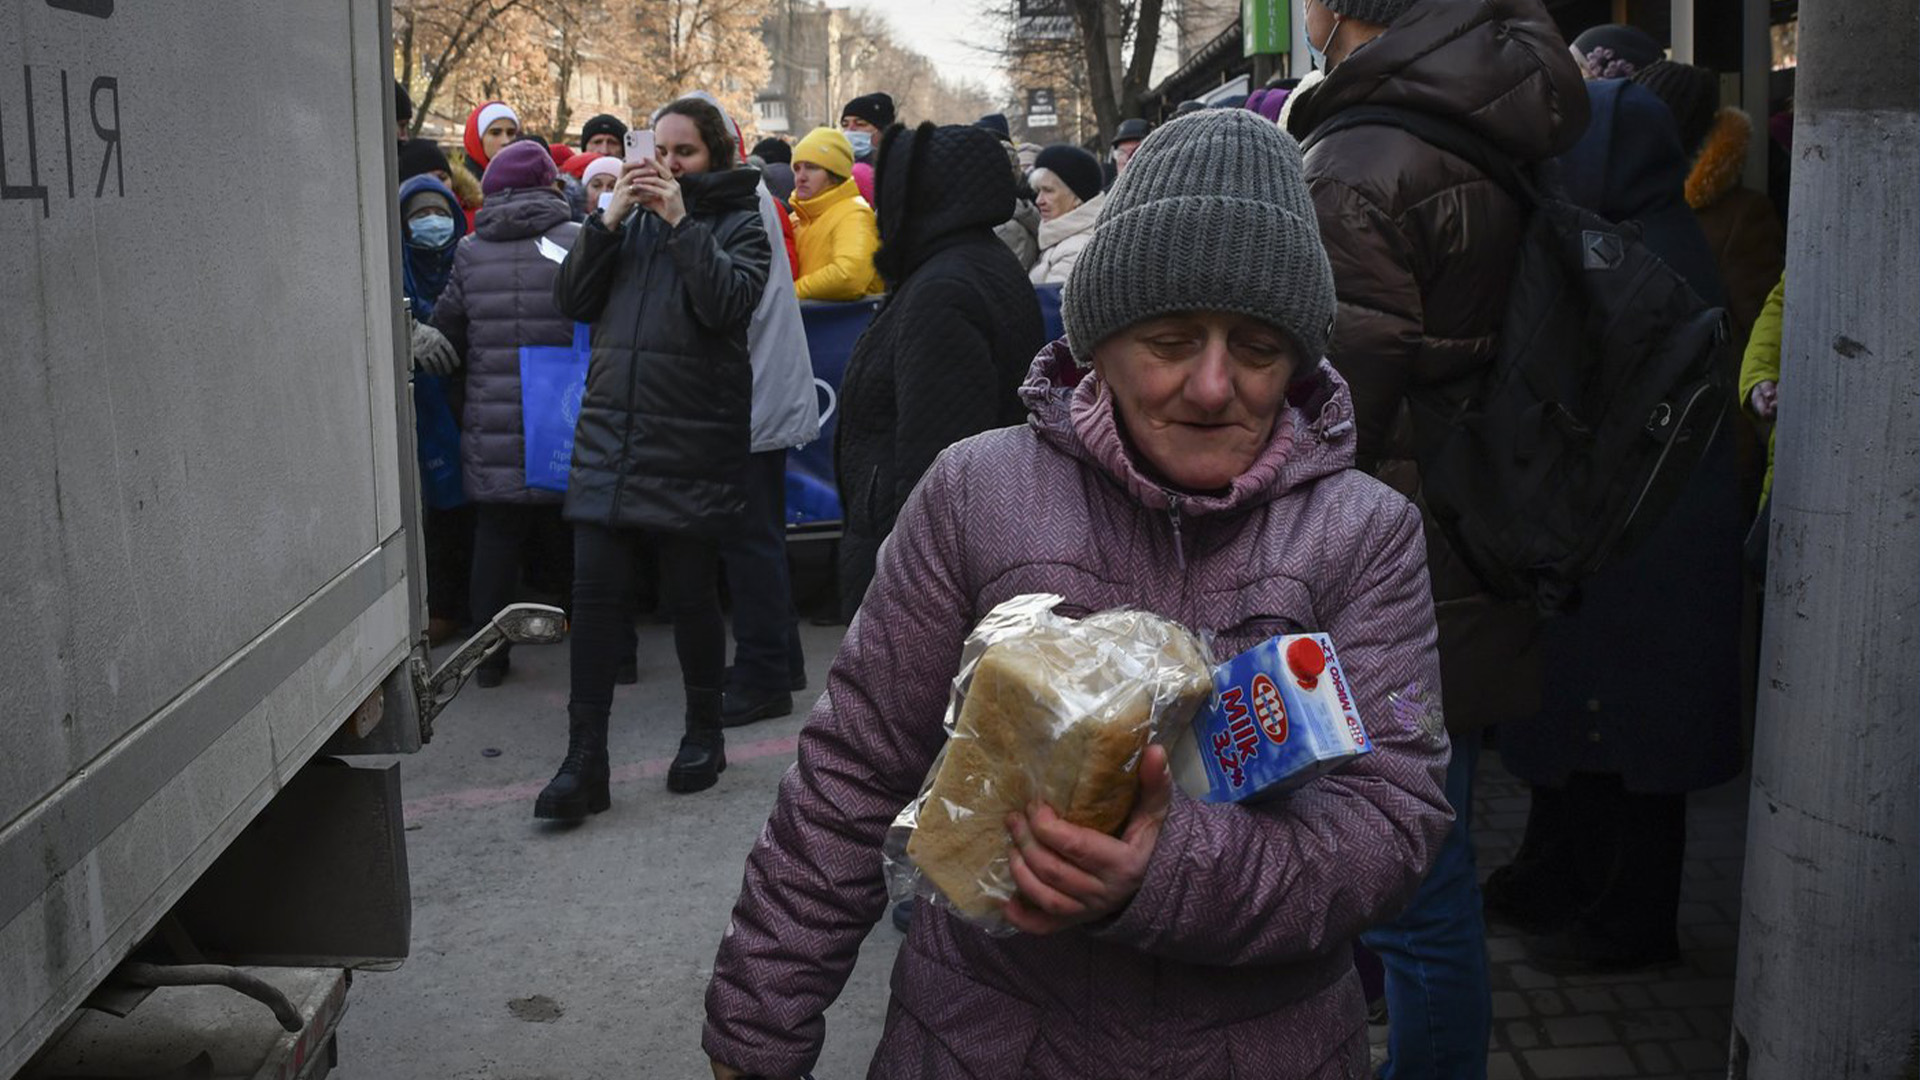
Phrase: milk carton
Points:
(1282, 713)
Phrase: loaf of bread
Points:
(1061, 715)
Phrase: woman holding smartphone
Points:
(669, 275)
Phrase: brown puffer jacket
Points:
(1422, 245)
(1748, 244)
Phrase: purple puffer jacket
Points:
(1233, 959)
(499, 299)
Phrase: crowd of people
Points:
(1225, 436)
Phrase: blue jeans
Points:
(1438, 1002)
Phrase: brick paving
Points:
(1670, 1022)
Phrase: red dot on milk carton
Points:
(1308, 661)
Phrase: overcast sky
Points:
(947, 31)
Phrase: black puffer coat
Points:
(500, 298)
(664, 428)
(946, 353)
(1422, 247)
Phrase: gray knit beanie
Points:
(1211, 215)
(1383, 12)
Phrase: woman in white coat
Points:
(1066, 188)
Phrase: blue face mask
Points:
(432, 231)
(1319, 52)
(862, 142)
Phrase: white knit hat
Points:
(607, 165)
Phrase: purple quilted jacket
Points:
(1233, 958)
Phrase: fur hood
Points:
(1722, 158)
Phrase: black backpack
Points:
(1609, 385)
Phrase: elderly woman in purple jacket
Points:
(1188, 453)
(500, 299)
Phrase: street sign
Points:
(1041, 109)
(1046, 20)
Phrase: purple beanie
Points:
(524, 164)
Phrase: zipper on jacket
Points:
(1173, 515)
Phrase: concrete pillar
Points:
(1827, 983)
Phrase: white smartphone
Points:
(639, 146)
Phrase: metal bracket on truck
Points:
(210, 1032)
(520, 624)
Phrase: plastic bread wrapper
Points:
(1044, 708)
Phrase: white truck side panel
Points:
(73, 933)
(203, 518)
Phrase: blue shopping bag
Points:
(437, 438)
(553, 379)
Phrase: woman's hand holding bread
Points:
(1069, 875)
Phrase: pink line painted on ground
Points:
(481, 798)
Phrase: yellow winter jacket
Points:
(836, 235)
(1761, 363)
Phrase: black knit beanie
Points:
(1075, 167)
(1693, 93)
(604, 124)
(773, 151)
(420, 156)
(875, 108)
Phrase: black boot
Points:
(1562, 861)
(703, 750)
(745, 707)
(580, 787)
(1630, 924)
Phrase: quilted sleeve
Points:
(813, 885)
(1307, 872)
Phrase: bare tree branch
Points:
(447, 47)
(1105, 71)
(1146, 42)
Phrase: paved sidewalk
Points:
(1667, 1022)
(583, 953)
